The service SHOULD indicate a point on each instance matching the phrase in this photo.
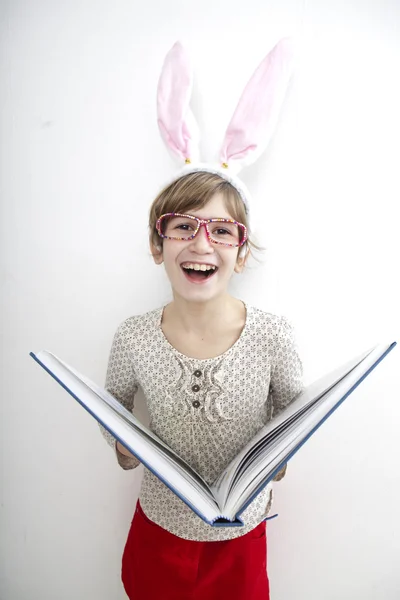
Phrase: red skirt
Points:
(157, 564)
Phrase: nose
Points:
(201, 242)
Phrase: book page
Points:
(148, 448)
(287, 443)
(300, 405)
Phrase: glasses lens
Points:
(225, 232)
(178, 227)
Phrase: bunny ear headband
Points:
(250, 128)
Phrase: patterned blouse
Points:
(206, 410)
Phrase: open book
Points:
(221, 503)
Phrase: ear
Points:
(256, 114)
(241, 261)
(176, 122)
(157, 253)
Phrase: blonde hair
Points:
(192, 192)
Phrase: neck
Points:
(199, 318)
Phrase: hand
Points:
(281, 474)
(122, 450)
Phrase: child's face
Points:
(201, 250)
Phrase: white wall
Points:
(81, 159)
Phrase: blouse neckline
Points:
(242, 335)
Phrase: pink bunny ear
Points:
(257, 112)
(176, 122)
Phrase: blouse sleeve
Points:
(121, 383)
(287, 371)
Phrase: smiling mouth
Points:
(198, 276)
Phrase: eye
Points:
(184, 227)
(224, 230)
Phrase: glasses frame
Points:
(201, 222)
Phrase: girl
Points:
(214, 370)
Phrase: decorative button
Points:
(195, 387)
(197, 373)
(196, 404)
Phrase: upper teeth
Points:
(197, 267)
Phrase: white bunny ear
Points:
(177, 124)
(256, 114)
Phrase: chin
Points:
(198, 293)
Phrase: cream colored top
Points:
(204, 409)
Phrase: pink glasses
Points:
(226, 232)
